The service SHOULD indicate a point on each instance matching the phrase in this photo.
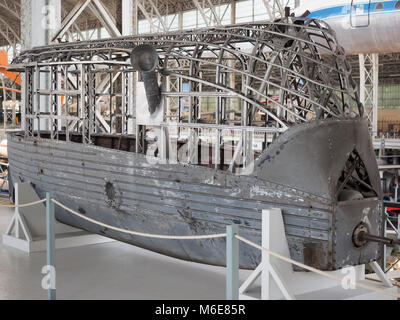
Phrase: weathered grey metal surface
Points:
(125, 190)
(290, 79)
(317, 152)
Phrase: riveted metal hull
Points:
(296, 173)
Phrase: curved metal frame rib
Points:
(296, 65)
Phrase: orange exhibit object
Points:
(15, 77)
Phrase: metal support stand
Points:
(369, 82)
(10, 114)
(50, 243)
(232, 263)
(280, 281)
(269, 272)
(27, 229)
(396, 228)
(381, 274)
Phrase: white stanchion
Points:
(280, 281)
(27, 228)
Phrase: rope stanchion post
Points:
(317, 271)
(51, 293)
(232, 250)
(232, 263)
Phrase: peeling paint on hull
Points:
(124, 190)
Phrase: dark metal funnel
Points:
(144, 58)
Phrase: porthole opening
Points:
(397, 5)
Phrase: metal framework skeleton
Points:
(285, 83)
(290, 71)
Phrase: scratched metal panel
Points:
(236, 214)
(181, 199)
(316, 153)
(156, 200)
(156, 190)
(348, 215)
